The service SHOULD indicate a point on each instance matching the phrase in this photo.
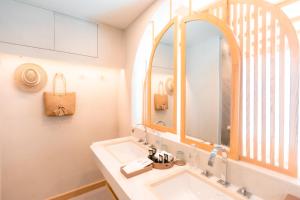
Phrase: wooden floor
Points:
(98, 194)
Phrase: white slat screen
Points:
(270, 81)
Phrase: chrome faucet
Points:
(161, 122)
(211, 160)
(146, 134)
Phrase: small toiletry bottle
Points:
(197, 158)
(150, 156)
(190, 159)
(166, 158)
(158, 141)
(160, 160)
(180, 158)
(194, 157)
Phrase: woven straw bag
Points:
(59, 103)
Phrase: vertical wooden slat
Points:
(241, 42)
(222, 16)
(255, 18)
(264, 56)
(235, 19)
(294, 88)
(281, 100)
(247, 14)
(226, 11)
(153, 32)
(145, 103)
(230, 17)
(272, 90)
(171, 9)
(221, 12)
(190, 7)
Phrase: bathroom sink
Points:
(187, 185)
(126, 151)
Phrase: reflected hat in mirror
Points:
(30, 77)
(169, 86)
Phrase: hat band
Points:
(28, 82)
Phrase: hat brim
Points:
(20, 83)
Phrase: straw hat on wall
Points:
(30, 77)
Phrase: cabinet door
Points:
(76, 36)
(26, 25)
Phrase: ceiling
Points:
(118, 13)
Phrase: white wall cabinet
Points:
(76, 36)
(26, 25)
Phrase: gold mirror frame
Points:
(235, 82)
(156, 42)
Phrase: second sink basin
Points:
(186, 185)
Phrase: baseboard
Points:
(112, 192)
(81, 190)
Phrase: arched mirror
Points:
(161, 81)
(210, 84)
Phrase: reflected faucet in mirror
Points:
(160, 122)
(145, 140)
(211, 161)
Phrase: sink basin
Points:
(126, 151)
(186, 185)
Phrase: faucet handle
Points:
(243, 191)
(140, 140)
(223, 182)
(145, 142)
(206, 173)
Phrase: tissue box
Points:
(135, 173)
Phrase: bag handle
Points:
(60, 76)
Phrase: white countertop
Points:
(138, 187)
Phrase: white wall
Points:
(202, 89)
(45, 156)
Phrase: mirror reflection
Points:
(162, 81)
(208, 83)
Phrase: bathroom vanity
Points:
(176, 183)
(210, 120)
